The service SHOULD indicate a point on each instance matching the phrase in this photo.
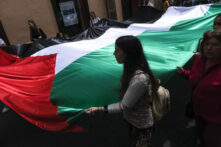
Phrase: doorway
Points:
(72, 16)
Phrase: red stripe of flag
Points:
(25, 86)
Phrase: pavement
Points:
(174, 130)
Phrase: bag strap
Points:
(206, 73)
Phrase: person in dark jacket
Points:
(35, 32)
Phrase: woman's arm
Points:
(134, 92)
(183, 72)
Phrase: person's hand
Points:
(180, 70)
(196, 53)
(94, 110)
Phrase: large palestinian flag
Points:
(52, 87)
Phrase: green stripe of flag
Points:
(93, 80)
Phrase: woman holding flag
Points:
(138, 84)
(205, 81)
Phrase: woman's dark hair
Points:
(32, 21)
(218, 16)
(216, 22)
(135, 60)
(208, 35)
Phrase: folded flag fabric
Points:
(52, 87)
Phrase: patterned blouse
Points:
(136, 103)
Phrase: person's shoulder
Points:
(140, 76)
